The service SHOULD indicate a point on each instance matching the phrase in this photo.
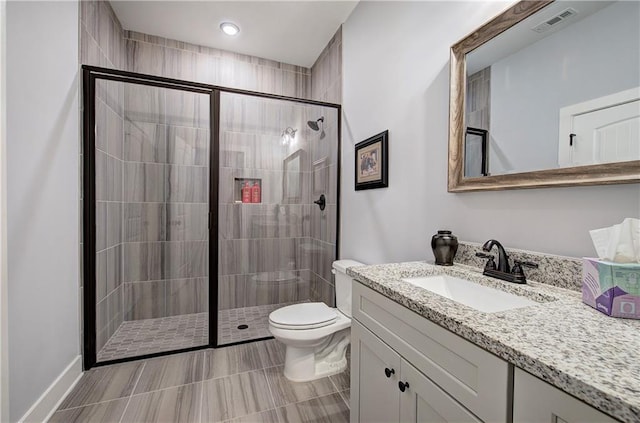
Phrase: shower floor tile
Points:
(256, 318)
(148, 336)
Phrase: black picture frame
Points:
(475, 153)
(372, 162)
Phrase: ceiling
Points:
(522, 35)
(293, 32)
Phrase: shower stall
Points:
(204, 209)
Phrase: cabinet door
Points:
(375, 397)
(535, 401)
(423, 401)
(476, 378)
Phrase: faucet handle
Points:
(525, 264)
(491, 264)
(518, 273)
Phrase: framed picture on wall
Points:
(372, 162)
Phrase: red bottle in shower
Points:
(256, 193)
(246, 193)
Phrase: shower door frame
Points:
(89, 76)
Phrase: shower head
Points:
(313, 124)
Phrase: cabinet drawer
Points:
(534, 400)
(476, 378)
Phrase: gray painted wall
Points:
(4, 297)
(398, 79)
(42, 195)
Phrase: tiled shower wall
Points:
(280, 250)
(323, 168)
(175, 59)
(262, 247)
(109, 201)
(104, 43)
(101, 44)
(101, 36)
(166, 196)
(326, 72)
(326, 85)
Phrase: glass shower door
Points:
(275, 246)
(152, 175)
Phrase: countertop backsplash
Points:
(563, 272)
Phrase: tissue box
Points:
(612, 288)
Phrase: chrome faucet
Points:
(503, 258)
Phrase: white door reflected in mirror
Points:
(603, 130)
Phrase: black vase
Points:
(445, 246)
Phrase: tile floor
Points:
(241, 383)
(139, 337)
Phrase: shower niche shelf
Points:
(239, 183)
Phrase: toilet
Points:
(316, 336)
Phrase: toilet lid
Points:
(303, 316)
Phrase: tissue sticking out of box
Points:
(619, 243)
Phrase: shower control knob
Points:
(389, 372)
(321, 202)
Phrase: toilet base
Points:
(303, 364)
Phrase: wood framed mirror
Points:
(495, 83)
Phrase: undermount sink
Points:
(471, 294)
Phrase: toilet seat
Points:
(303, 316)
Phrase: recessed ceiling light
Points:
(229, 28)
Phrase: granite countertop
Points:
(562, 341)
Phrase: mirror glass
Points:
(292, 178)
(559, 89)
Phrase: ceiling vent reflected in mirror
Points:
(560, 17)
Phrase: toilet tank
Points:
(343, 284)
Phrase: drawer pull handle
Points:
(389, 372)
(403, 386)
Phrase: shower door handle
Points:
(321, 202)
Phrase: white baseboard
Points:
(51, 399)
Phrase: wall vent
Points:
(555, 20)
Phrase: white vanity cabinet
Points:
(445, 378)
(534, 401)
(389, 389)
